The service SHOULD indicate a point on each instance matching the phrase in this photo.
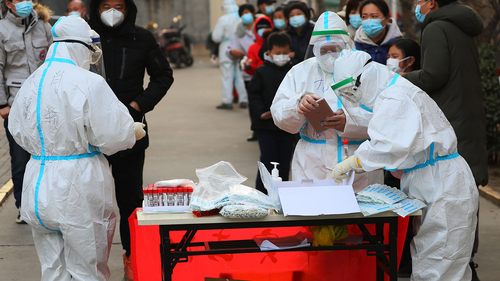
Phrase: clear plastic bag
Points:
(243, 212)
(214, 187)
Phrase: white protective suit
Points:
(57, 117)
(231, 74)
(409, 132)
(316, 154)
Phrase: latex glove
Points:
(139, 130)
(341, 169)
(357, 170)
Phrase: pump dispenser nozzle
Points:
(275, 173)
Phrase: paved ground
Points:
(189, 133)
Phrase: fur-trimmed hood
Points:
(43, 12)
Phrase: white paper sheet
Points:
(317, 198)
(281, 243)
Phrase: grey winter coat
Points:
(450, 75)
(23, 47)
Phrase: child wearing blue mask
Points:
(275, 144)
(377, 32)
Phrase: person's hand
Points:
(336, 121)
(291, 54)
(397, 174)
(308, 103)
(139, 130)
(4, 112)
(266, 115)
(237, 53)
(341, 169)
(135, 106)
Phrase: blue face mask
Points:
(260, 32)
(269, 10)
(372, 27)
(279, 24)
(247, 18)
(24, 8)
(418, 15)
(355, 20)
(298, 21)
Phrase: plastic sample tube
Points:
(176, 203)
(164, 191)
(185, 194)
(155, 196)
(190, 192)
(170, 196)
(150, 196)
(346, 147)
(145, 196)
(180, 196)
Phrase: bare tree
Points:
(408, 22)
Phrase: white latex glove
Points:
(357, 170)
(341, 169)
(139, 130)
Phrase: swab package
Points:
(220, 187)
(378, 198)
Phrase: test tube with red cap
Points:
(150, 195)
(170, 198)
(176, 203)
(164, 190)
(190, 192)
(180, 196)
(346, 147)
(155, 196)
(145, 196)
(185, 195)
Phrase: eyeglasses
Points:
(416, 2)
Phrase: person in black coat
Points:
(275, 145)
(300, 29)
(129, 50)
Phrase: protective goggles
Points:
(322, 48)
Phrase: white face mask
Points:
(112, 17)
(326, 61)
(281, 60)
(393, 64)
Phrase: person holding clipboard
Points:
(305, 92)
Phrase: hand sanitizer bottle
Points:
(275, 173)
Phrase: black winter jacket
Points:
(300, 42)
(261, 91)
(129, 50)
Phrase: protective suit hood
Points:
(75, 29)
(329, 29)
(355, 68)
(229, 7)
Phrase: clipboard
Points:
(317, 116)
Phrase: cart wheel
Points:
(189, 61)
(178, 61)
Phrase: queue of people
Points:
(368, 27)
(393, 104)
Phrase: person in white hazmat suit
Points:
(230, 71)
(410, 134)
(57, 117)
(317, 153)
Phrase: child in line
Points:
(275, 145)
